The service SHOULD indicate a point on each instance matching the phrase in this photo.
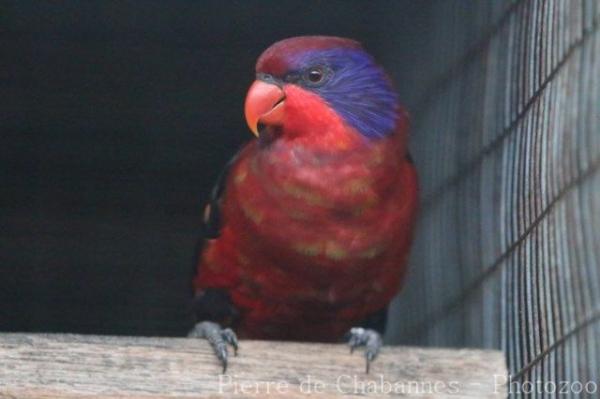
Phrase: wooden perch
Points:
(78, 366)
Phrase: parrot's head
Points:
(321, 91)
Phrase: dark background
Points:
(115, 119)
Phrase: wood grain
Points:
(88, 366)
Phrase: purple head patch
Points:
(358, 89)
(343, 74)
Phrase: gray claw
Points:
(230, 337)
(368, 338)
(218, 339)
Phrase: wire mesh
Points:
(507, 141)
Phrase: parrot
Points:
(308, 228)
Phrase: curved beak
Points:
(265, 105)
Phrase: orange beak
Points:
(265, 105)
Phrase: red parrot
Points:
(310, 226)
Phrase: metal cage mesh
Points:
(506, 135)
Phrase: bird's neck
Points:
(310, 123)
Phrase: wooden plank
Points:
(86, 366)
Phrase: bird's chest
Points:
(304, 213)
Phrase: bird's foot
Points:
(368, 338)
(218, 338)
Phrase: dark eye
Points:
(315, 75)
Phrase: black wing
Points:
(213, 304)
(212, 211)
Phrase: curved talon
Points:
(222, 355)
(370, 357)
(230, 337)
(368, 338)
(353, 338)
(218, 339)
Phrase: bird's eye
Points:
(315, 75)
